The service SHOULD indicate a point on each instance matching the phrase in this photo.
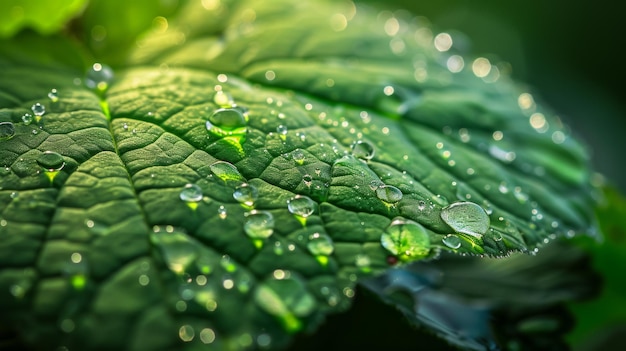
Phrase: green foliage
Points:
(245, 164)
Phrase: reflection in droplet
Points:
(452, 241)
(363, 150)
(38, 109)
(7, 130)
(298, 156)
(301, 206)
(246, 194)
(467, 218)
(228, 122)
(320, 244)
(259, 224)
(406, 239)
(53, 95)
(51, 162)
(388, 193)
(226, 171)
(99, 77)
(191, 194)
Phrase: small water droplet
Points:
(38, 109)
(27, 118)
(406, 239)
(191, 194)
(282, 131)
(7, 130)
(223, 99)
(320, 244)
(285, 297)
(363, 150)
(497, 236)
(389, 193)
(178, 251)
(186, 333)
(14, 195)
(246, 194)
(125, 126)
(298, 156)
(307, 179)
(99, 77)
(222, 213)
(467, 218)
(53, 95)
(259, 224)
(452, 241)
(421, 205)
(302, 206)
(228, 122)
(226, 171)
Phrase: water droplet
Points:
(389, 194)
(222, 213)
(125, 126)
(298, 156)
(246, 194)
(76, 269)
(38, 109)
(191, 194)
(374, 184)
(259, 224)
(406, 239)
(282, 131)
(223, 99)
(7, 130)
(178, 251)
(467, 218)
(285, 297)
(226, 171)
(99, 77)
(452, 241)
(207, 335)
(307, 179)
(363, 150)
(53, 95)
(421, 205)
(497, 236)
(228, 122)
(301, 206)
(320, 244)
(51, 161)
(27, 118)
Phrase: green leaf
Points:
(232, 180)
(46, 17)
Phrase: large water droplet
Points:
(320, 244)
(363, 150)
(53, 95)
(227, 122)
(406, 239)
(99, 77)
(51, 161)
(388, 193)
(259, 224)
(246, 194)
(178, 251)
(226, 171)
(301, 206)
(285, 297)
(7, 130)
(223, 99)
(191, 194)
(452, 241)
(467, 218)
(298, 156)
(38, 109)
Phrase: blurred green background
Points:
(566, 51)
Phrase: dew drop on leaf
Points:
(285, 297)
(99, 77)
(282, 132)
(259, 224)
(452, 241)
(223, 99)
(307, 179)
(178, 251)
(38, 109)
(226, 171)
(406, 239)
(191, 194)
(222, 213)
(320, 244)
(363, 150)
(53, 95)
(227, 122)
(7, 130)
(51, 161)
(301, 206)
(246, 194)
(76, 269)
(388, 193)
(467, 218)
(27, 118)
(298, 156)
